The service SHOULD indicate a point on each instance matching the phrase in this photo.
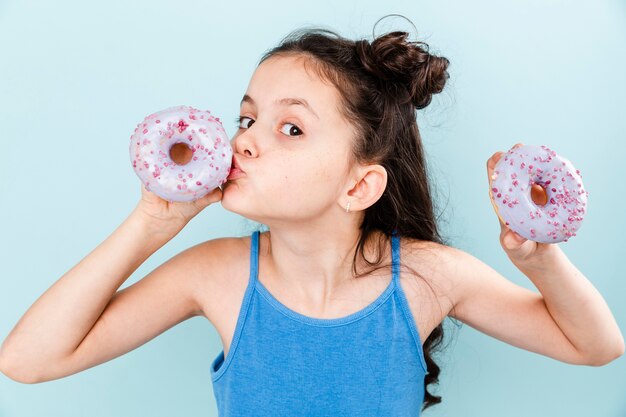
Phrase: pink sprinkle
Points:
(145, 131)
(182, 126)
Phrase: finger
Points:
(491, 163)
(209, 198)
(493, 160)
(495, 209)
(215, 195)
(212, 196)
(512, 241)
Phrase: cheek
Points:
(318, 170)
(301, 181)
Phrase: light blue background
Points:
(76, 77)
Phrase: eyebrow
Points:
(288, 101)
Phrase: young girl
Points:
(333, 164)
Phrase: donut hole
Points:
(181, 153)
(538, 194)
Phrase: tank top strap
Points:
(254, 256)
(395, 258)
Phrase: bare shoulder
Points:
(430, 281)
(219, 264)
(448, 269)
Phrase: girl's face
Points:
(292, 144)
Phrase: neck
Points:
(314, 264)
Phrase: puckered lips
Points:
(235, 170)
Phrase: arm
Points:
(82, 321)
(568, 320)
(576, 306)
(168, 295)
(53, 327)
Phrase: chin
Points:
(228, 198)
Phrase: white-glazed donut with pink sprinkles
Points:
(176, 131)
(557, 206)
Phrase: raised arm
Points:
(567, 319)
(82, 301)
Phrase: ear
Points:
(370, 184)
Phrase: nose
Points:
(244, 143)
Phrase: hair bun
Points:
(393, 59)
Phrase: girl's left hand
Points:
(519, 249)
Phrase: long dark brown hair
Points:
(382, 83)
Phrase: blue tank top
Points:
(282, 363)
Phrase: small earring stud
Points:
(348, 207)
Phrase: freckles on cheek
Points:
(320, 166)
(282, 176)
(326, 170)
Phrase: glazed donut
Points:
(199, 145)
(538, 194)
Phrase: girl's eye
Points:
(240, 119)
(294, 130)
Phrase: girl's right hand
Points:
(164, 217)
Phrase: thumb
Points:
(512, 240)
(212, 197)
